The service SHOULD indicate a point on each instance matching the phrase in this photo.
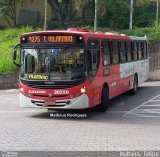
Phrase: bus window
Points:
(140, 56)
(122, 52)
(128, 51)
(144, 50)
(106, 53)
(115, 52)
(30, 67)
(93, 57)
(134, 51)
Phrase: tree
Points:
(8, 11)
(63, 10)
(143, 14)
(113, 14)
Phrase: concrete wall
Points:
(154, 63)
(32, 12)
(9, 81)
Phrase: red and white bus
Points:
(77, 69)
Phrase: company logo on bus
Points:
(36, 92)
(61, 92)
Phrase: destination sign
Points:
(51, 39)
(36, 77)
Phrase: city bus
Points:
(78, 69)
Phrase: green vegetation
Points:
(8, 38)
(153, 33)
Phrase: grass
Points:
(152, 33)
(9, 37)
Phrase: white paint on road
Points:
(147, 109)
(10, 90)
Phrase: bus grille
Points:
(59, 103)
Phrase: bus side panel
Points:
(126, 75)
(116, 82)
(141, 67)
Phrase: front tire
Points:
(104, 101)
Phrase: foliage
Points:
(153, 33)
(113, 14)
(63, 11)
(8, 11)
(143, 15)
(8, 38)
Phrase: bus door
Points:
(93, 60)
(106, 61)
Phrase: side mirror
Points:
(14, 54)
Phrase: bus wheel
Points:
(135, 86)
(104, 101)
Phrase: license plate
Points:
(49, 103)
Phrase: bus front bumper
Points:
(80, 102)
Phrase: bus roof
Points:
(88, 34)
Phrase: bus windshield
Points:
(67, 63)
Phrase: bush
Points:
(8, 38)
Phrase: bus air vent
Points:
(112, 33)
(78, 29)
(99, 32)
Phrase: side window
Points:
(106, 49)
(128, 51)
(114, 52)
(122, 51)
(140, 55)
(134, 51)
(93, 57)
(144, 50)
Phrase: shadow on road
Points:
(118, 106)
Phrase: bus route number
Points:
(34, 39)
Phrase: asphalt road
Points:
(131, 123)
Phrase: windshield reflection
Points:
(58, 63)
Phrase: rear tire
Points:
(104, 101)
(134, 90)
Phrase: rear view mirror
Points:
(14, 54)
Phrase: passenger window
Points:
(140, 55)
(134, 51)
(115, 52)
(144, 50)
(122, 50)
(128, 51)
(106, 49)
